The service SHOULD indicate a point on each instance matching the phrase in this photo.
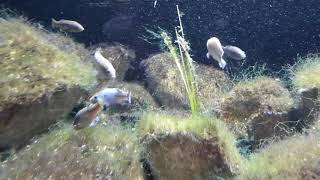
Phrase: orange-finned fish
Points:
(87, 115)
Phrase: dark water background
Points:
(271, 31)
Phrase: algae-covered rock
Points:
(309, 105)
(120, 57)
(93, 153)
(306, 72)
(249, 97)
(185, 156)
(294, 158)
(306, 79)
(269, 126)
(188, 148)
(39, 81)
(165, 84)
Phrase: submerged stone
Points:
(41, 80)
(186, 156)
(166, 86)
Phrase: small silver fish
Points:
(234, 52)
(111, 96)
(87, 116)
(215, 51)
(67, 25)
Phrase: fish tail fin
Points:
(222, 63)
(76, 120)
(98, 49)
(129, 97)
(53, 22)
(94, 122)
(208, 55)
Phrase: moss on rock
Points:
(165, 84)
(42, 76)
(306, 72)
(185, 148)
(93, 153)
(294, 158)
(249, 97)
(32, 65)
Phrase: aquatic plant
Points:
(93, 153)
(251, 72)
(184, 63)
(34, 62)
(306, 72)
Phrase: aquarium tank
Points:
(159, 89)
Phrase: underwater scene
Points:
(159, 89)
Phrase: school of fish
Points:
(88, 116)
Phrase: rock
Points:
(20, 122)
(119, 56)
(295, 157)
(185, 156)
(267, 126)
(188, 147)
(309, 105)
(164, 83)
(120, 28)
(310, 172)
(212, 83)
(248, 98)
(94, 153)
(40, 81)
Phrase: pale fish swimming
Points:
(111, 96)
(67, 25)
(234, 52)
(103, 62)
(215, 50)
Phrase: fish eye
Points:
(95, 97)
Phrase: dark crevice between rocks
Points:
(147, 172)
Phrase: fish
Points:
(87, 117)
(111, 96)
(215, 50)
(103, 62)
(155, 4)
(94, 122)
(234, 52)
(67, 25)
